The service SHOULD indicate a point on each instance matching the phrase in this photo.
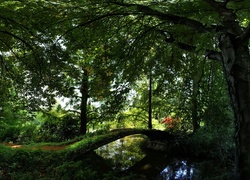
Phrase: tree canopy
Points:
(103, 50)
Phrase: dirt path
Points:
(12, 145)
(46, 148)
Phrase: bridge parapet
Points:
(158, 135)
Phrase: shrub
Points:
(59, 128)
(213, 144)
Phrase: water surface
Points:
(125, 154)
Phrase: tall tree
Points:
(84, 100)
(150, 101)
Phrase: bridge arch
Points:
(120, 133)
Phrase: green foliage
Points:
(57, 126)
(117, 44)
(208, 143)
(20, 164)
(11, 133)
(50, 53)
(74, 170)
(16, 125)
(207, 170)
(28, 164)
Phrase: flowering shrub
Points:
(170, 122)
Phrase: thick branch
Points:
(169, 38)
(146, 10)
(16, 37)
(228, 17)
(214, 55)
(211, 54)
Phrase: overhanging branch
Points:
(214, 55)
(138, 9)
(97, 18)
(169, 38)
(211, 54)
(17, 37)
(146, 10)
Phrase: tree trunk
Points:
(195, 92)
(84, 99)
(195, 120)
(197, 75)
(242, 89)
(150, 102)
(236, 62)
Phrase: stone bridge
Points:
(99, 140)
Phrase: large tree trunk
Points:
(242, 89)
(84, 99)
(236, 62)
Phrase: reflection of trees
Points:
(158, 164)
(178, 170)
(122, 153)
(125, 155)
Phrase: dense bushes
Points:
(27, 164)
(212, 144)
(42, 126)
(24, 164)
(58, 128)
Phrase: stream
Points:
(125, 155)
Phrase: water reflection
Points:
(122, 153)
(179, 170)
(126, 155)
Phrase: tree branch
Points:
(228, 17)
(214, 55)
(16, 37)
(146, 10)
(169, 38)
(97, 18)
(12, 21)
(211, 54)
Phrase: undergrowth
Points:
(28, 163)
